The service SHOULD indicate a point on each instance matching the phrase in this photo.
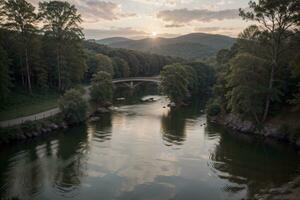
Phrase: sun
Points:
(153, 34)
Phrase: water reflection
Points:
(245, 163)
(173, 128)
(145, 151)
(58, 162)
(102, 129)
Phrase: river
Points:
(145, 151)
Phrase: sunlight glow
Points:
(153, 34)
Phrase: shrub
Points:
(73, 106)
(213, 109)
(102, 87)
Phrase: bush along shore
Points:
(277, 132)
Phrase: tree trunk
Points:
(268, 100)
(58, 67)
(28, 71)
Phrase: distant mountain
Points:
(113, 40)
(191, 46)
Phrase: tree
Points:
(20, 17)
(5, 81)
(174, 82)
(102, 87)
(73, 106)
(247, 86)
(2, 12)
(276, 19)
(104, 63)
(121, 68)
(295, 68)
(61, 23)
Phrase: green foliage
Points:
(102, 87)
(5, 81)
(20, 17)
(203, 78)
(61, 27)
(276, 21)
(248, 85)
(73, 106)
(127, 62)
(180, 81)
(174, 82)
(100, 62)
(121, 68)
(213, 108)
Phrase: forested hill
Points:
(124, 62)
(191, 46)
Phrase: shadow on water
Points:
(249, 163)
(30, 167)
(102, 129)
(134, 95)
(173, 123)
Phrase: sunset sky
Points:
(165, 18)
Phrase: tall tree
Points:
(5, 81)
(276, 20)
(247, 86)
(2, 12)
(20, 17)
(61, 23)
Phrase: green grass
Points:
(20, 104)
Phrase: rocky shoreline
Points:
(273, 131)
(36, 129)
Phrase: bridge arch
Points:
(137, 79)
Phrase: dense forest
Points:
(43, 49)
(259, 76)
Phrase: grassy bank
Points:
(20, 104)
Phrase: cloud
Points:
(93, 10)
(181, 16)
(174, 25)
(114, 32)
(97, 10)
(162, 2)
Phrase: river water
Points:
(145, 151)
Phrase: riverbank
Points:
(30, 130)
(277, 131)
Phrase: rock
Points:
(148, 100)
(121, 99)
(22, 137)
(44, 130)
(53, 126)
(64, 125)
(35, 134)
(102, 110)
(172, 105)
(94, 119)
(28, 135)
(107, 104)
